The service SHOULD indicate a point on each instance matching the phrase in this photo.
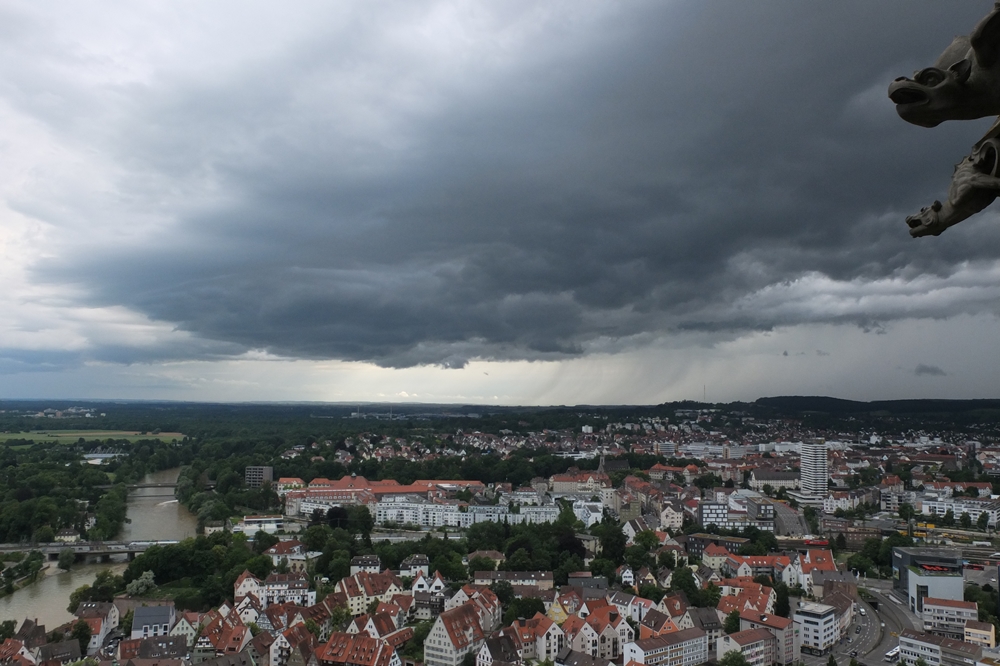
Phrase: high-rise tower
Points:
(813, 475)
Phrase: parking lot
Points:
(987, 576)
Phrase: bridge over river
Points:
(85, 548)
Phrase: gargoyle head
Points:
(963, 84)
(927, 222)
(934, 95)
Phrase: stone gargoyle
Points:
(974, 186)
(963, 84)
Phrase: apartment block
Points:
(756, 645)
(936, 650)
(817, 627)
(947, 617)
(687, 647)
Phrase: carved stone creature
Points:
(974, 186)
(963, 84)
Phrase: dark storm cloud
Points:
(929, 370)
(720, 167)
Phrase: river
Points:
(154, 515)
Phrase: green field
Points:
(71, 436)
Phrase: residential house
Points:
(455, 633)
(786, 648)
(414, 565)
(687, 647)
(498, 651)
(369, 563)
(708, 621)
(947, 617)
(15, 653)
(537, 638)
(756, 645)
(602, 634)
(542, 579)
(362, 588)
(357, 650)
(291, 587)
(58, 654)
(150, 621)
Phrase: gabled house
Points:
(102, 617)
(537, 638)
(248, 585)
(498, 651)
(150, 621)
(432, 584)
(14, 653)
(356, 650)
(188, 625)
(656, 623)
(362, 588)
(675, 606)
(455, 633)
(602, 634)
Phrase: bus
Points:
(893, 654)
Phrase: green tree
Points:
(262, 541)
(141, 585)
(7, 629)
(66, 558)
(504, 592)
(603, 567)
(81, 632)
(965, 521)
(832, 661)
(125, 624)
(948, 519)
(612, 539)
(45, 534)
(647, 539)
(906, 511)
(682, 580)
(652, 592)
(782, 607)
(481, 564)
(525, 607)
(667, 560)
(359, 520)
(920, 662)
(732, 623)
(519, 561)
(840, 542)
(414, 647)
(982, 521)
(733, 658)
(637, 557)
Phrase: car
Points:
(993, 580)
(850, 640)
(854, 653)
(857, 630)
(863, 613)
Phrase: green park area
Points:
(73, 436)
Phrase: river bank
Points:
(153, 514)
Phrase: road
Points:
(866, 636)
(791, 521)
(863, 641)
(896, 619)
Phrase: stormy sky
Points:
(510, 202)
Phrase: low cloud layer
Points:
(429, 183)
